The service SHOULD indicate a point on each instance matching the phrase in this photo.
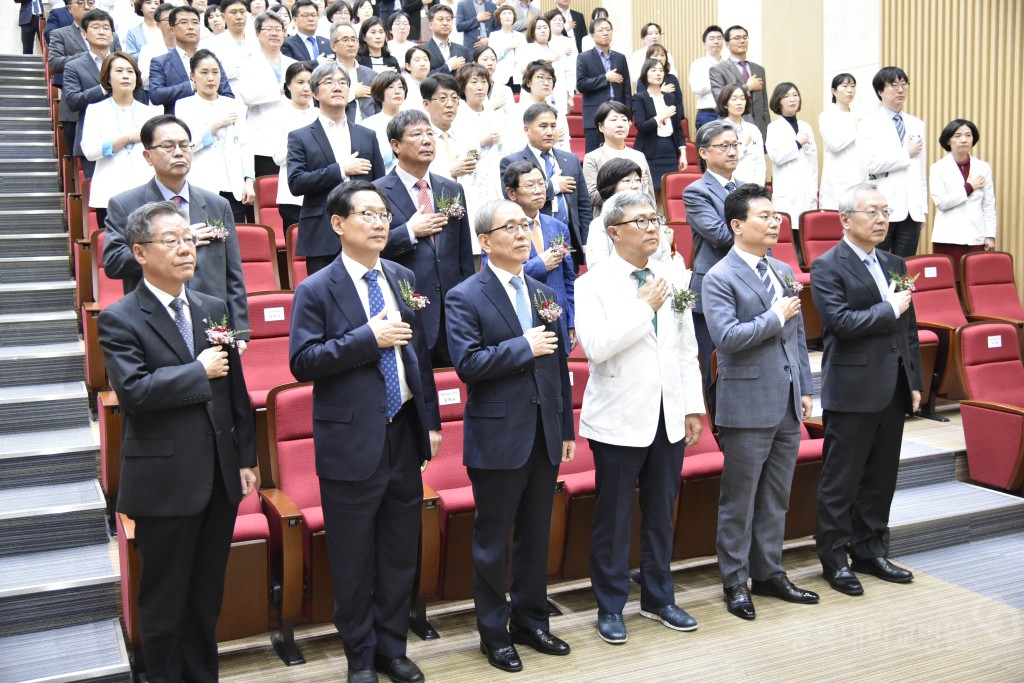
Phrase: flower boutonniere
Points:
(793, 285)
(474, 154)
(683, 299)
(559, 246)
(219, 232)
(903, 283)
(416, 302)
(450, 206)
(221, 334)
(547, 309)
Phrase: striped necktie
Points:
(766, 279)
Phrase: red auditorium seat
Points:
(672, 186)
(105, 291)
(785, 251)
(989, 361)
(819, 232)
(296, 263)
(259, 257)
(682, 238)
(266, 208)
(990, 289)
(700, 482)
(937, 307)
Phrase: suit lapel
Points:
(859, 270)
(196, 205)
(199, 317)
(495, 291)
(398, 198)
(160, 320)
(344, 292)
(408, 352)
(320, 135)
(750, 278)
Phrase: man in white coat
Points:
(641, 407)
(890, 144)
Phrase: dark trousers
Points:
(373, 530)
(516, 502)
(237, 208)
(181, 588)
(618, 469)
(902, 237)
(439, 354)
(69, 135)
(265, 166)
(594, 138)
(858, 480)
(289, 214)
(29, 33)
(315, 263)
(705, 117)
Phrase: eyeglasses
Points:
(543, 79)
(770, 218)
(512, 228)
(308, 15)
(643, 223)
(738, 38)
(726, 146)
(169, 146)
(418, 135)
(534, 186)
(899, 85)
(347, 39)
(875, 214)
(331, 83)
(369, 216)
(445, 99)
(192, 24)
(272, 30)
(170, 243)
(85, 3)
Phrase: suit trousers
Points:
(704, 349)
(618, 469)
(181, 588)
(373, 530)
(440, 355)
(756, 480)
(902, 237)
(705, 117)
(594, 139)
(858, 480)
(516, 502)
(29, 32)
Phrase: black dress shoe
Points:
(883, 569)
(612, 628)
(362, 676)
(400, 669)
(781, 587)
(540, 640)
(844, 581)
(738, 602)
(504, 658)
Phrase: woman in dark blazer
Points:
(657, 116)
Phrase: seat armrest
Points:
(430, 543)
(286, 557)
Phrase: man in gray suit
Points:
(764, 390)
(168, 148)
(82, 78)
(737, 69)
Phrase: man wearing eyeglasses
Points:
(641, 408)
(168, 149)
(189, 446)
(306, 45)
(346, 44)
(440, 94)
(738, 69)
(871, 377)
(66, 15)
(169, 74)
(518, 428)
(375, 423)
(764, 391)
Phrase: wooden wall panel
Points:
(965, 59)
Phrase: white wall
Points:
(853, 45)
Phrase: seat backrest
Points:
(672, 186)
(819, 232)
(259, 257)
(575, 122)
(451, 395)
(989, 285)
(935, 297)
(990, 363)
(446, 470)
(579, 375)
(290, 423)
(265, 361)
(266, 207)
(105, 289)
(785, 248)
(296, 262)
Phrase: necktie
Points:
(537, 235)
(900, 129)
(183, 324)
(641, 278)
(877, 276)
(558, 209)
(423, 199)
(766, 279)
(388, 363)
(730, 187)
(178, 199)
(745, 71)
(447, 147)
(314, 51)
(522, 305)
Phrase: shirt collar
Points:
(408, 179)
(623, 268)
(163, 297)
(503, 275)
(890, 113)
(357, 270)
(861, 254)
(736, 60)
(721, 180)
(170, 194)
(438, 132)
(537, 153)
(750, 259)
(329, 125)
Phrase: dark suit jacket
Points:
(712, 238)
(66, 44)
(439, 265)
(58, 17)
(313, 172)
(437, 63)
(176, 420)
(507, 386)
(864, 341)
(25, 16)
(218, 264)
(580, 210)
(726, 72)
(169, 82)
(331, 343)
(647, 127)
(81, 88)
(296, 48)
(580, 30)
(592, 82)
(364, 75)
(466, 23)
(413, 9)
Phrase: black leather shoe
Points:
(400, 669)
(883, 569)
(844, 581)
(540, 640)
(781, 587)
(362, 676)
(612, 628)
(673, 616)
(738, 602)
(504, 658)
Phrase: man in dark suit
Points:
(475, 20)
(427, 239)
(82, 78)
(218, 261)
(601, 75)
(871, 377)
(445, 56)
(375, 421)
(764, 390)
(567, 198)
(345, 44)
(737, 69)
(29, 14)
(188, 447)
(69, 14)
(169, 79)
(305, 45)
(518, 427)
(324, 154)
(717, 144)
(575, 23)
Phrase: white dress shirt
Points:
(870, 261)
(341, 141)
(505, 278)
(165, 300)
(700, 81)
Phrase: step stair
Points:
(92, 652)
(21, 329)
(60, 362)
(36, 407)
(38, 181)
(37, 297)
(40, 518)
(27, 221)
(63, 455)
(34, 245)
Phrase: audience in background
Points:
(794, 156)
(733, 104)
(838, 128)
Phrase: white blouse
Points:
(115, 172)
(288, 119)
(220, 161)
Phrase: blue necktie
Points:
(313, 49)
(641, 279)
(522, 305)
(183, 324)
(549, 168)
(876, 274)
(388, 362)
(766, 279)
(730, 187)
(900, 129)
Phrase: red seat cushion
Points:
(454, 501)
(810, 450)
(251, 528)
(700, 465)
(579, 483)
(927, 337)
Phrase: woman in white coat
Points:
(539, 49)
(110, 132)
(838, 128)
(733, 103)
(964, 196)
(506, 44)
(222, 156)
(389, 92)
(790, 145)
